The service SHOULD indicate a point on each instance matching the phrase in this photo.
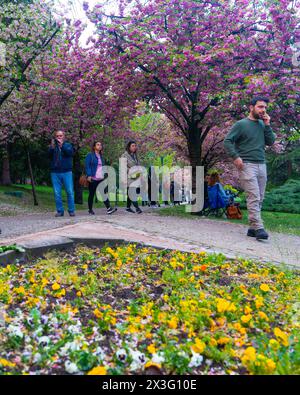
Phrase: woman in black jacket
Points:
(94, 163)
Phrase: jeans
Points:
(253, 179)
(66, 180)
(92, 190)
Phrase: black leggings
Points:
(130, 202)
(92, 190)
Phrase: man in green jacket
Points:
(245, 144)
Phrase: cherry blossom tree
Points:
(199, 62)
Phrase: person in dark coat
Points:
(94, 163)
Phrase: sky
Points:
(76, 12)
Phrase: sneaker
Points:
(59, 214)
(251, 232)
(261, 234)
(129, 209)
(91, 212)
(72, 214)
(138, 211)
(111, 210)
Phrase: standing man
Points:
(61, 155)
(245, 144)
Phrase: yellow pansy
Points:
(99, 371)
(198, 346)
(98, 313)
(224, 305)
(259, 301)
(239, 328)
(44, 282)
(247, 310)
(246, 318)
(7, 364)
(271, 365)
(264, 287)
(263, 316)
(281, 336)
(55, 286)
(151, 348)
(20, 290)
(60, 294)
(249, 355)
(223, 340)
(274, 344)
(173, 322)
(119, 263)
(150, 364)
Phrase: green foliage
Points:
(285, 198)
(12, 247)
(283, 166)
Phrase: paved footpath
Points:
(195, 234)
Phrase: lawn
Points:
(273, 221)
(16, 205)
(130, 310)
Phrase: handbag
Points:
(83, 181)
(234, 212)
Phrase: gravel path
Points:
(194, 234)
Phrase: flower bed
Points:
(129, 310)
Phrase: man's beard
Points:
(255, 115)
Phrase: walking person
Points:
(94, 163)
(245, 144)
(61, 155)
(132, 160)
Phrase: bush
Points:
(284, 198)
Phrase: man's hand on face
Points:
(239, 164)
(266, 118)
(60, 141)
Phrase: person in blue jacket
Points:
(94, 163)
(61, 156)
(216, 193)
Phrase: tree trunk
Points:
(35, 201)
(195, 149)
(6, 180)
(78, 190)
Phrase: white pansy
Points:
(37, 357)
(14, 330)
(158, 358)
(100, 353)
(74, 329)
(196, 360)
(121, 354)
(70, 346)
(71, 367)
(44, 319)
(44, 341)
(138, 360)
(208, 362)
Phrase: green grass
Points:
(273, 221)
(44, 196)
